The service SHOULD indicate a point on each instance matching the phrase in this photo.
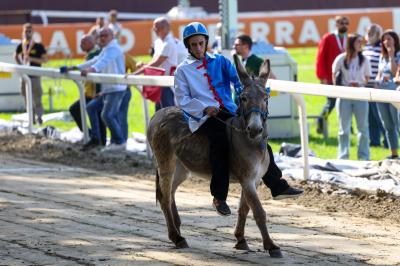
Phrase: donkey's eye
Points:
(243, 99)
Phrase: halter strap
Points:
(263, 114)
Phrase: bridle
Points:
(241, 113)
(264, 114)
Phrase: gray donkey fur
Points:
(178, 152)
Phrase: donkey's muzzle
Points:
(254, 132)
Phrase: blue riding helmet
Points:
(194, 28)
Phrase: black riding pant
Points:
(219, 154)
(273, 178)
(219, 159)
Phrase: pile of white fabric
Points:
(366, 175)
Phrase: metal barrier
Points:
(295, 88)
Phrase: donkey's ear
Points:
(243, 76)
(264, 71)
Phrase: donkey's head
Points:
(253, 101)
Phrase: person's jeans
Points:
(98, 128)
(123, 115)
(375, 126)
(112, 104)
(167, 98)
(345, 109)
(390, 120)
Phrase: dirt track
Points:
(52, 214)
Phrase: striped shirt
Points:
(372, 53)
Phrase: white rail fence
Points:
(294, 88)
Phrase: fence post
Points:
(51, 104)
(28, 101)
(82, 103)
(147, 119)
(301, 107)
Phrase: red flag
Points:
(153, 93)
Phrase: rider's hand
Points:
(211, 111)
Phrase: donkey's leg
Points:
(166, 172)
(241, 242)
(180, 175)
(250, 193)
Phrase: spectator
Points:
(31, 53)
(111, 61)
(216, 46)
(92, 90)
(388, 65)
(330, 46)
(114, 25)
(252, 63)
(204, 104)
(165, 56)
(95, 30)
(273, 178)
(372, 52)
(355, 72)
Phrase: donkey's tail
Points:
(158, 188)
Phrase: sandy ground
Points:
(61, 206)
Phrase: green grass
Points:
(65, 93)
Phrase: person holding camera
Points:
(388, 65)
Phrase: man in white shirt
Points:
(111, 60)
(165, 56)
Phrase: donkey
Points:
(179, 152)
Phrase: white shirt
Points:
(192, 93)
(354, 72)
(116, 28)
(111, 60)
(167, 48)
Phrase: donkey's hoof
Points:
(181, 243)
(275, 253)
(242, 245)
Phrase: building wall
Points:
(163, 6)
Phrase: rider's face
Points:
(197, 46)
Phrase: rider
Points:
(202, 91)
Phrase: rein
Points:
(229, 124)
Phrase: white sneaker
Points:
(114, 147)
